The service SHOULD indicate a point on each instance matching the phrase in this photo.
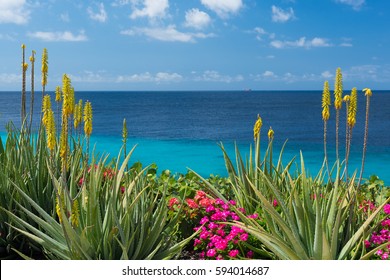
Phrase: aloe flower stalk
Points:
(351, 121)
(124, 136)
(44, 70)
(46, 108)
(74, 217)
(58, 100)
(256, 135)
(51, 131)
(270, 140)
(338, 93)
(32, 60)
(87, 122)
(368, 94)
(24, 70)
(325, 117)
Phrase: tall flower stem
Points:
(368, 94)
(32, 60)
(338, 93)
(325, 117)
(24, 70)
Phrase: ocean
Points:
(178, 130)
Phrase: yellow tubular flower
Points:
(88, 118)
(45, 67)
(352, 108)
(71, 100)
(46, 108)
(51, 131)
(270, 133)
(346, 98)
(67, 108)
(24, 66)
(23, 46)
(63, 144)
(80, 111)
(76, 116)
(74, 217)
(325, 101)
(367, 92)
(124, 131)
(257, 127)
(338, 89)
(58, 93)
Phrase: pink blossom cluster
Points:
(381, 236)
(216, 240)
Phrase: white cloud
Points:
(215, 76)
(167, 34)
(280, 15)
(301, 43)
(14, 11)
(151, 8)
(65, 17)
(355, 4)
(101, 15)
(269, 74)
(160, 77)
(223, 7)
(326, 75)
(259, 33)
(65, 36)
(197, 19)
(90, 77)
(6, 78)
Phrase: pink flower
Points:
(204, 235)
(173, 201)
(249, 255)
(191, 203)
(197, 242)
(244, 237)
(367, 244)
(233, 253)
(232, 202)
(386, 209)
(81, 181)
(211, 253)
(204, 220)
(379, 252)
(213, 225)
(275, 203)
(219, 201)
(386, 223)
(253, 216)
(221, 244)
(123, 189)
(219, 257)
(221, 232)
(210, 208)
(385, 256)
(205, 202)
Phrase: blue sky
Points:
(198, 44)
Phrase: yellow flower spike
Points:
(325, 101)
(24, 66)
(338, 89)
(58, 210)
(58, 93)
(367, 92)
(80, 111)
(270, 133)
(88, 118)
(46, 108)
(352, 109)
(74, 217)
(66, 92)
(45, 67)
(124, 131)
(346, 98)
(23, 46)
(51, 131)
(257, 127)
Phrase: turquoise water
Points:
(180, 130)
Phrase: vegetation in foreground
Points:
(60, 201)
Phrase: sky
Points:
(198, 44)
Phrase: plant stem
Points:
(365, 140)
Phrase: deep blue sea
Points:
(181, 129)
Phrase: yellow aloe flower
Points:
(257, 127)
(74, 217)
(338, 89)
(45, 67)
(367, 92)
(346, 98)
(46, 108)
(51, 131)
(325, 101)
(58, 93)
(88, 118)
(270, 133)
(124, 131)
(352, 108)
(24, 66)
(23, 46)
(66, 92)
